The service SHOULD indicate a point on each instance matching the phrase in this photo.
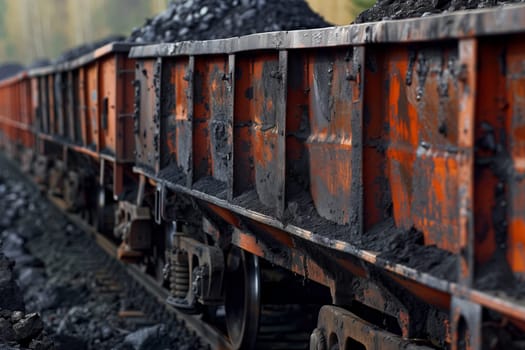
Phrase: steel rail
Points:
(213, 337)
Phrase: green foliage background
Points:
(32, 29)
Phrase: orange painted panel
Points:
(422, 153)
(331, 143)
(146, 125)
(125, 107)
(92, 104)
(85, 125)
(243, 110)
(52, 119)
(108, 103)
(258, 123)
(515, 124)
(176, 119)
(212, 119)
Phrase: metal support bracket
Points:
(338, 328)
(465, 324)
(160, 200)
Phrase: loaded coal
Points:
(86, 48)
(400, 9)
(214, 19)
(10, 69)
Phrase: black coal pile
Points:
(39, 62)
(407, 247)
(10, 69)
(59, 290)
(17, 329)
(87, 48)
(399, 9)
(215, 19)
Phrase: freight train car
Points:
(17, 119)
(370, 173)
(379, 160)
(83, 110)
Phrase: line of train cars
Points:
(375, 170)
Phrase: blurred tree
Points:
(3, 33)
(3, 8)
(31, 29)
(359, 6)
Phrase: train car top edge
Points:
(87, 58)
(457, 25)
(13, 78)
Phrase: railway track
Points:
(279, 323)
(108, 280)
(210, 335)
(278, 329)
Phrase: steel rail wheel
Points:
(101, 204)
(242, 298)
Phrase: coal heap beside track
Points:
(59, 290)
(399, 9)
(215, 19)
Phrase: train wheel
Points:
(105, 212)
(101, 204)
(242, 298)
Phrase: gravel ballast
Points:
(59, 290)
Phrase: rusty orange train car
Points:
(370, 174)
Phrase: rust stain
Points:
(516, 242)
(432, 296)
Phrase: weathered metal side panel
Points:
(16, 109)
(423, 143)
(53, 121)
(499, 195)
(124, 105)
(83, 112)
(12, 110)
(213, 119)
(176, 120)
(297, 129)
(4, 110)
(184, 117)
(26, 113)
(145, 128)
(260, 108)
(36, 106)
(515, 79)
(43, 88)
(92, 103)
(107, 81)
(71, 115)
(59, 93)
(3, 121)
(76, 114)
(334, 143)
(377, 201)
(242, 131)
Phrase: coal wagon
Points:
(369, 176)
